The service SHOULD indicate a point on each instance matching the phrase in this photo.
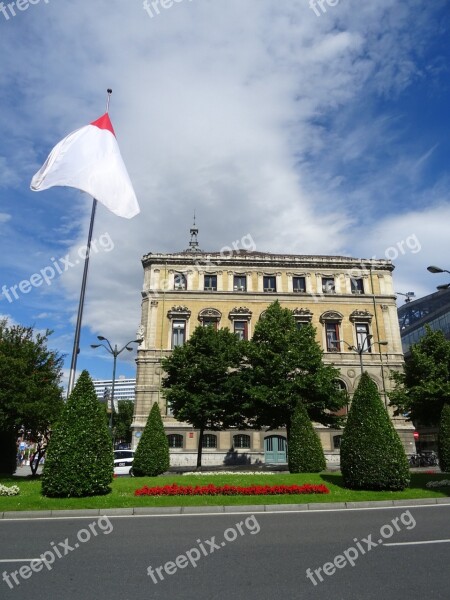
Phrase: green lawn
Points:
(122, 493)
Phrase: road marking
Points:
(417, 543)
(8, 560)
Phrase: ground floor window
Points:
(175, 440)
(241, 441)
(209, 441)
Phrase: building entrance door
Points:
(275, 449)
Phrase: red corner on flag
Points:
(104, 122)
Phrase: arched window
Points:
(241, 441)
(175, 440)
(209, 441)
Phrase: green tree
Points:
(423, 388)
(123, 420)
(284, 366)
(152, 453)
(79, 458)
(305, 452)
(372, 455)
(30, 392)
(444, 439)
(202, 377)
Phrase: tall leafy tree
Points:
(80, 458)
(123, 420)
(283, 366)
(423, 388)
(30, 392)
(372, 454)
(201, 378)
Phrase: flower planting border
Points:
(230, 490)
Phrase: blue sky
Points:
(320, 134)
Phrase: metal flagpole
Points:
(76, 341)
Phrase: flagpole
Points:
(76, 341)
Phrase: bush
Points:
(8, 452)
(152, 453)
(305, 452)
(79, 457)
(444, 439)
(13, 490)
(372, 455)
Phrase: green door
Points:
(275, 449)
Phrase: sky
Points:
(314, 128)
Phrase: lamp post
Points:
(366, 345)
(115, 353)
(434, 269)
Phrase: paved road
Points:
(268, 559)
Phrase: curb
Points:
(215, 510)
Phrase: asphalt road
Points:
(259, 557)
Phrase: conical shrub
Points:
(79, 458)
(152, 453)
(444, 439)
(305, 452)
(372, 455)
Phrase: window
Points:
(328, 285)
(299, 284)
(211, 283)
(210, 323)
(362, 337)
(175, 440)
(240, 283)
(332, 334)
(241, 441)
(270, 283)
(179, 281)
(209, 441)
(178, 333)
(241, 329)
(357, 285)
(337, 441)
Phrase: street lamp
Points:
(366, 345)
(434, 269)
(115, 352)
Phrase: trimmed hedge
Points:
(372, 455)
(305, 452)
(8, 452)
(444, 439)
(152, 453)
(79, 458)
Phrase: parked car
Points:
(123, 462)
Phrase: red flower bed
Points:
(230, 490)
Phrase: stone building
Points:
(350, 302)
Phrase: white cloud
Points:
(252, 115)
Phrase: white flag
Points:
(89, 159)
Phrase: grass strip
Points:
(123, 488)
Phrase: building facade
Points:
(124, 389)
(350, 302)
